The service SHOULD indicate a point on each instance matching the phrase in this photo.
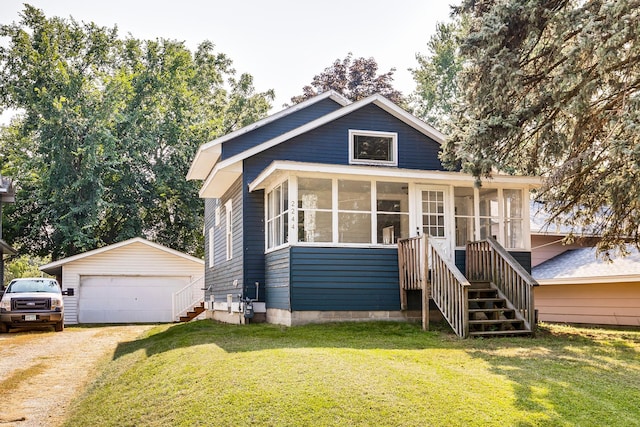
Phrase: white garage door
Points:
(127, 299)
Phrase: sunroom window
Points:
(278, 215)
(465, 219)
(354, 211)
(489, 213)
(373, 148)
(513, 236)
(315, 222)
(392, 209)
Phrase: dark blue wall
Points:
(278, 127)
(277, 271)
(344, 279)
(223, 273)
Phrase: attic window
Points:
(373, 148)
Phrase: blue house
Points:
(305, 209)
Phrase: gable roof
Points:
(580, 266)
(209, 153)
(224, 173)
(51, 268)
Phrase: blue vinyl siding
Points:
(223, 273)
(524, 258)
(344, 279)
(330, 143)
(278, 127)
(277, 279)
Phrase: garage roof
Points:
(55, 267)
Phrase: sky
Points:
(281, 43)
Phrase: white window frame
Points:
(228, 207)
(280, 217)
(394, 148)
(218, 215)
(211, 247)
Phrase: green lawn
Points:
(365, 374)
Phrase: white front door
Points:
(434, 216)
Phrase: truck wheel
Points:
(59, 327)
(4, 328)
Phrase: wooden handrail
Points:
(412, 267)
(449, 290)
(488, 261)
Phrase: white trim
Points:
(64, 261)
(394, 149)
(228, 207)
(209, 153)
(211, 247)
(379, 172)
(227, 175)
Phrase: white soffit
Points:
(220, 180)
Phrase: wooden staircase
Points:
(491, 314)
(193, 313)
(493, 298)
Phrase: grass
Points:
(365, 374)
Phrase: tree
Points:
(437, 76)
(108, 130)
(553, 88)
(353, 78)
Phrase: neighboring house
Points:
(577, 285)
(128, 282)
(307, 207)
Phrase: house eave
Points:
(220, 180)
(209, 153)
(278, 167)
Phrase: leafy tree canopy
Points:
(437, 76)
(553, 88)
(354, 78)
(107, 132)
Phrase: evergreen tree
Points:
(553, 88)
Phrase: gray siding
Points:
(353, 279)
(277, 279)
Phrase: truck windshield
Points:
(35, 285)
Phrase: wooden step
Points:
(494, 321)
(499, 333)
(193, 313)
(491, 310)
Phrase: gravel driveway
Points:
(41, 372)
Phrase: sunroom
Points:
(320, 205)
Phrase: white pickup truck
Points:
(32, 302)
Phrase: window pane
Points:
(367, 147)
(354, 227)
(314, 193)
(513, 233)
(464, 230)
(488, 227)
(392, 197)
(463, 200)
(285, 196)
(392, 227)
(354, 195)
(512, 203)
(489, 202)
(314, 226)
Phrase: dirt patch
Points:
(42, 371)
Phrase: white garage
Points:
(129, 282)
